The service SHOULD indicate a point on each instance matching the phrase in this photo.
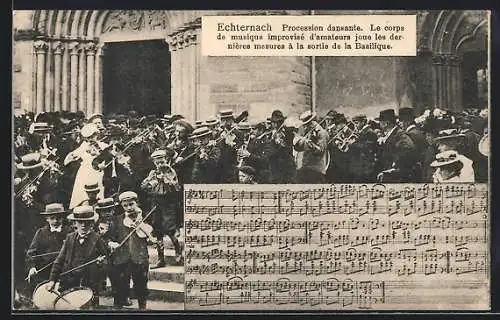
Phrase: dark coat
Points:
(281, 160)
(422, 156)
(260, 153)
(135, 249)
(205, 170)
(72, 256)
(470, 149)
(400, 151)
(362, 158)
(226, 167)
(185, 168)
(43, 242)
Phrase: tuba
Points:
(345, 137)
(484, 145)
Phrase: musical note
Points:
(352, 247)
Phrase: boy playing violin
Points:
(129, 258)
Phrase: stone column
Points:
(58, 74)
(65, 80)
(437, 74)
(185, 66)
(74, 48)
(40, 49)
(98, 78)
(459, 83)
(90, 50)
(82, 79)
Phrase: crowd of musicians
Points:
(101, 189)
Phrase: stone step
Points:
(168, 274)
(158, 291)
(106, 303)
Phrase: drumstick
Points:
(80, 266)
(59, 296)
(44, 254)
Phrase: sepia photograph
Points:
(153, 173)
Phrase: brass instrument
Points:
(345, 137)
(243, 151)
(484, 145)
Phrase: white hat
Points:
(445, 158)
(88, 130)
(127, 195)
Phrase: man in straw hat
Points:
(92, 190)
(80, 247)
(183, 147)
(206, 160)
(449, 168)
(312, 148)
(46, 243)
(232, 139)
(281, 159)
(162, 188)
(131, 259)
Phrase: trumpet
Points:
(345, 137)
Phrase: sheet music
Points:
(337, 247)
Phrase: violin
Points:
(142, 229)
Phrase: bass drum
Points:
(44, 299)
(74, 299)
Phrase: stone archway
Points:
(69, 46)
(445, 34)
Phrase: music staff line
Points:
(374, 255)
(345, 293)
(337, 267)
(280, 226)
(357, 192)
(326, 238)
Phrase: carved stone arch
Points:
(481, 27)
(426, 29)
(445, 35)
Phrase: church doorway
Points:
(136, 76)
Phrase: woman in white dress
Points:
(85, 153)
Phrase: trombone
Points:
(345, 137)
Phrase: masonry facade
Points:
(58, 63)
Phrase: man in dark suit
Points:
(207, 159)
(398, 151)
(424, 154)
(313, 152)
(130, 259)
(230, 140)
(80, 247)
(46, 244)
(281, 160)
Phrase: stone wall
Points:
(257, 84)
(361, 85)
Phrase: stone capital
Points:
(58, 47)
(41, 46)
(74, 48)
(438, 59)
(183, 39)
(90, 48)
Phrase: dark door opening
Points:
(474, 66)
(136, 76)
